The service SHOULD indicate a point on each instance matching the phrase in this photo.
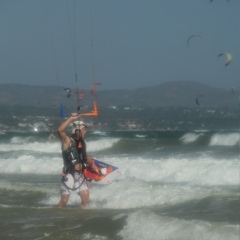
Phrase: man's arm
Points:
(61, 130)
(92, 164)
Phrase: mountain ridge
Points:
(177, 94)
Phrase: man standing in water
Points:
(74, 158)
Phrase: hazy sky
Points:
(124, 44)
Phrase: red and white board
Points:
(107, 173)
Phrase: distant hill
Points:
(177, 94)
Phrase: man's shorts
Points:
(70, 183)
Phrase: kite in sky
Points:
(192, 36)
(92, 88)
(197, 99)
(228, 57)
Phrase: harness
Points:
(81, 150)
(73, 155)
(70, 158)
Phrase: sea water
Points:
(173, 186)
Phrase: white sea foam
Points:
(101, 144)
(136, 194)
(19, 140)
(29, 185)
(147, 225)
(202, 171)
(133, 194)
(190, 137)
(168, 182)
(230, 139)
(53, 147)
(48, 147)
(140, 136)
(31, 164)
(101, 133)
(142, 183)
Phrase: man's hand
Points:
(94, 167)
(74, 115)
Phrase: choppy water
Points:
(174, 186)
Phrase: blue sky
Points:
(124, 44)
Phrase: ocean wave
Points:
(229, 139)
(163, 227)
(199, 172)
(101, 144)
(17, 144)
(190, 137)
(46, 147)
(202, 171)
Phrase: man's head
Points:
(79, 129)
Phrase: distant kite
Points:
(197, 99)
(68, 91)
(192, 36)
(228, 57)
(92, 88)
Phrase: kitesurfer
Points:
(75, 158)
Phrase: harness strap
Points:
(73, 178)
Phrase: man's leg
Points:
(84, 195)
(63, 201)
